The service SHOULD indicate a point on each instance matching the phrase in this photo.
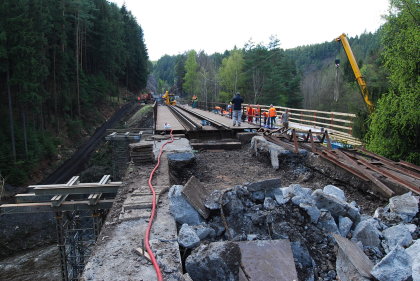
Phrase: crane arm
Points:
(356, 71)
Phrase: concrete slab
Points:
(267, 260)
(196, 194)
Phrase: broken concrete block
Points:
(395, 266)
(258, 195)
(296, 190)
(218, 261)
(264, 185)
(181, 166)
(203, 231)
(196, 194)
(232, 204)
(313, 212)
(187, 237)
(344, 225)
(269, 203)
(326, 222)
(181, 209)
(352, 263)
(334, 191)
(278, 195)
(414, 252)
(367, 233)
(406, 206)
(268, 260)
(337, 207)
(303, 261)
(396, 235)
(213, 201)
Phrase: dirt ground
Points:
(223, 169)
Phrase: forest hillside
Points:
(58, 67)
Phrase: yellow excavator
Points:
(169, 98)
(356, 70)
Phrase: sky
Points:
(173, 27)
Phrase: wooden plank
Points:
(382, 188)
(398, 179)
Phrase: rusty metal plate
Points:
(267, 260)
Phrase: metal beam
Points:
(46, 206)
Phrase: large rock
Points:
(187, 237)
(344, 225)
(406, 206)
(218, 261)
(367, 233)
(303, 261)
(327, 223)
(334, 191)
(181, 209)
(396, 235)
(313, 212)
(336, 206)
(265, 185)
(232, 204)
(395, 266)
(181, 166)
(414, 252)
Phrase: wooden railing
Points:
(339, 124)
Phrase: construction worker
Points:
(250, 113)
(256, 113)
(194, 101)
(237, 109)
(218, 109)
(265, 115)
(272, 113)
(285, 119)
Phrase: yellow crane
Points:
(169, 98)
(356, 71)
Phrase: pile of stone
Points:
(141, 153)
(330, 239)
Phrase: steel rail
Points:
(212, 121)
(185, 121)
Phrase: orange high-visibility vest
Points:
(249, 110)
(272, 112)
(265, 114)
(257, 111)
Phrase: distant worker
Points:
(272, 113)
(265, 115)
(285, 120)
(194, 101)
(250, 113)
(218, 109)
(257, 113)
(237, 109)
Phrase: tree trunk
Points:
(77, 65)
(25, 135)
(12, 128)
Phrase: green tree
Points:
(395, 125)
(231, 72)
(191, 78)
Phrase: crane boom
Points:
(356, 71)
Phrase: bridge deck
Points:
(164, 115)
(225, 120)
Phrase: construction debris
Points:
(141, 153)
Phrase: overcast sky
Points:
(175, 26)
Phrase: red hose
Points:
(152, 215)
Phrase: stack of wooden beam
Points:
(141, 153)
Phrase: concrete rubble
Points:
(308, 219)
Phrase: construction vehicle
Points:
(359, 78)
(145, 98)
(169, 98)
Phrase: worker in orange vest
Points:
(272, 113)
(249, 113)
(265, 115)
(256, 113)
